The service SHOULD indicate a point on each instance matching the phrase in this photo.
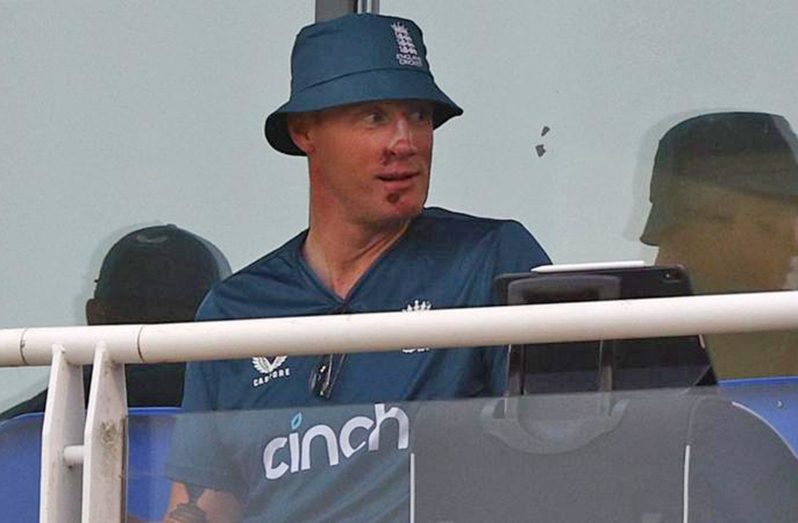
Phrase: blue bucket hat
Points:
(357, 58)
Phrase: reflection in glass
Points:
(620, 456)
(724, 194)
(664, 456)
(310, 464)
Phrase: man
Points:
(362, 110)
(157, 274)
(724, 194)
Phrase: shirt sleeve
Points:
(518, 250)
(197, 455)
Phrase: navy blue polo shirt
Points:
(444, 260)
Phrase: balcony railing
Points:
(83, 452)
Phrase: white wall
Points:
(119, 114)
(609, 78)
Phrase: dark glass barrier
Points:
(716, 454)
(650, 456)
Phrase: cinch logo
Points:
(353, 437)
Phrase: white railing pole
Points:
(60, 493)
(105, 448)
(612, 319)
(104, 454)
(80, 343)
(11, 347)
(471, 327)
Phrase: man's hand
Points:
(193, 504)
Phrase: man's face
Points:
(746, 242)
(369, 162)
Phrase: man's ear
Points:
(95, 313)
(299, 129)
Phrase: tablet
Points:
(603, 365)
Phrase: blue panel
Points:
(150, 432)
(20, 460)
(775, 400)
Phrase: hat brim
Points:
(368, 86)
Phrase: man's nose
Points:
(403, 140)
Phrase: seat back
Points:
(149, 431)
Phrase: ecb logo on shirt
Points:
(417, 306)
(269, 369)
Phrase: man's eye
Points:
(375, 117)
(422, 115)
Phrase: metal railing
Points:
(84, 453)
